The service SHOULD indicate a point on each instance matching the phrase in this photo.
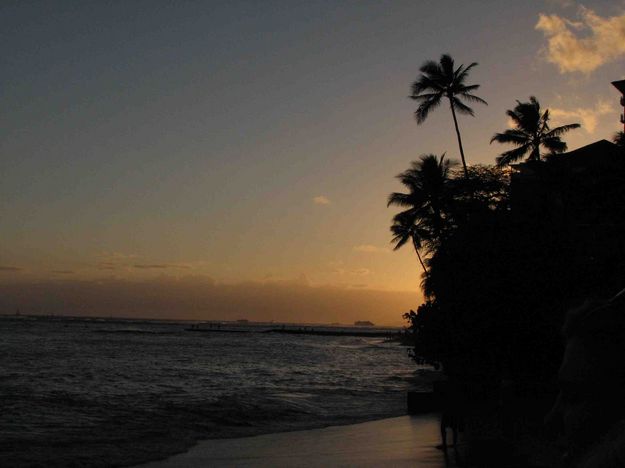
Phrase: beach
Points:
(398, 442)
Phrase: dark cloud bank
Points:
(203, 299)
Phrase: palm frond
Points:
(462, 73)
(467, 88)
(430, 67)
(473, 98)
(543, 123)
(400, 240)
(554, 144)
(426, 96)
(425, 107)
(404, 229)
(398, 199)
(513, 136)
(447, 65)
(461, 107)
(515, 117)
(425, 84)
(513, 155)
(556, 132)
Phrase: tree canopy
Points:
(531, 132)
(442, 79)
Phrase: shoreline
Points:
(398, 441)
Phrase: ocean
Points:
(95, 393)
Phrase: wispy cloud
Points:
(353, 272)
(585, 45)
(368, 248)
(115, 256)
(114, 260)
(321, 200)
(128, 262)
(110, 266)
(9, 269)
(587, 116)
(561, 3)
(160, 266)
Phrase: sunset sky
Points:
(235, 157)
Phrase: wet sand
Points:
(398, 442)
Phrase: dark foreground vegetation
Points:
(506, 250)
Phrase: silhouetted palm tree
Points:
(423, 221)
(531, 132)
(441, 80)
(404, 229)
(619, 139)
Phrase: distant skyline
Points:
(251, 146)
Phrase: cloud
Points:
(354, 271)
(321, 200)
(587, 116)
(108, 266)
(368, 248)
(9, 269)
(161, 266)
(585, 45)
(127, 262)
(115, 256)
(63, 272)
(114, 260)
(561, 3)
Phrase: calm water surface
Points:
(101, 393)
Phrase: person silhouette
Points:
(590, 408)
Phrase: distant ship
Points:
(363, 323)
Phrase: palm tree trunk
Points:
(425, 270)
(464, 163)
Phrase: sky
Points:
(237, 156)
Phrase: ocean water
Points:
(87, 393)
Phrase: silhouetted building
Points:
(578, 196)
(620, 85)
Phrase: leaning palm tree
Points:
(442, 80)
(423, 220)
(404, 229)
(531, 132)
